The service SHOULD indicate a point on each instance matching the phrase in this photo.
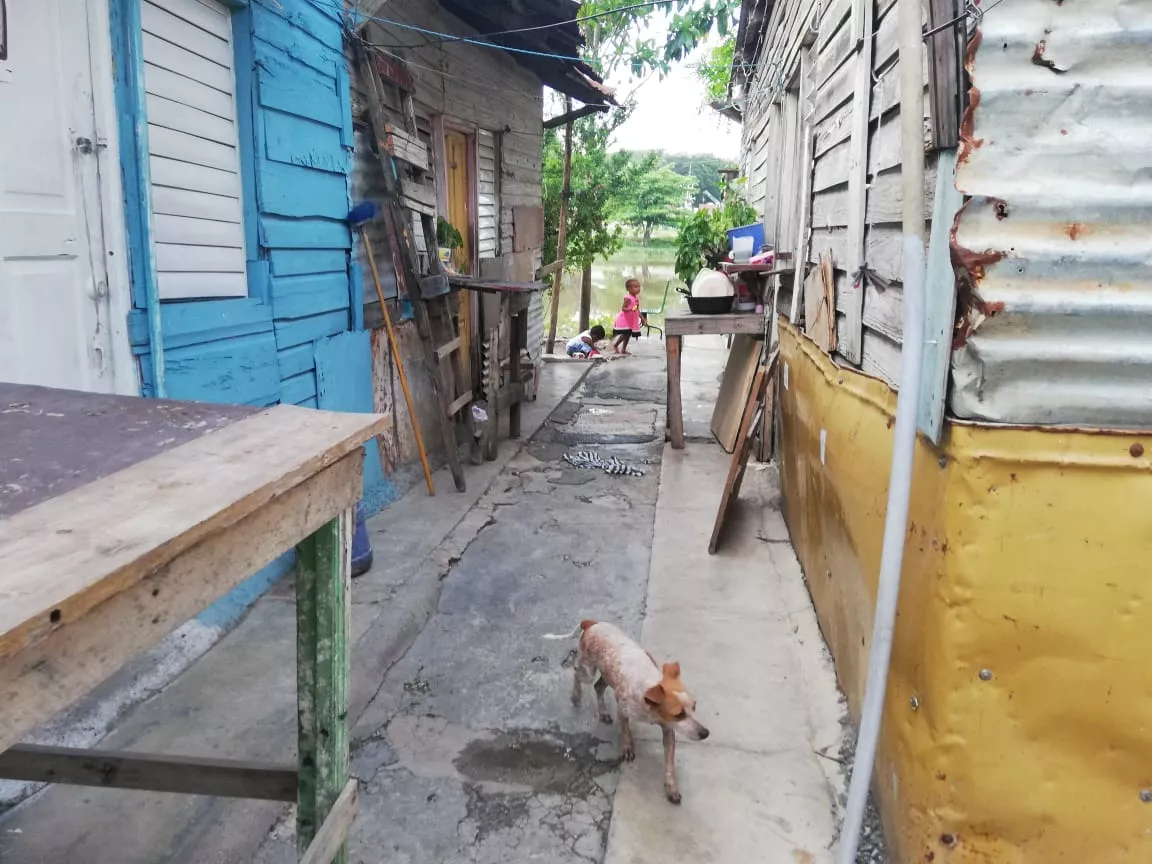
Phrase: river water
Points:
(652, 266)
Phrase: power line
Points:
(471, 80)
(447, 37)
(576, 20)
(477, 39)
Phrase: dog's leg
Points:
(583, 672)
(600, 686)
(627, 748)
(670, 787)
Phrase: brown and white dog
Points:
(644, 691)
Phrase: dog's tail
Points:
(580, 628)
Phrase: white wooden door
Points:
(55, 326)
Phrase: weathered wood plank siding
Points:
(477, 90)
(830, 115)
(763, 146)
(295, 139)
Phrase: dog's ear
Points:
(672, 670)
(654, 695)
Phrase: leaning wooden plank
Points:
(459, 402)
(404, 146)
(47, 676)
(417, 196)
(742, 450)
(64, 557)
(323, 613)
(189, 775)
(739, 373)
(418, 206)
(332, 834)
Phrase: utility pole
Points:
(562, 232)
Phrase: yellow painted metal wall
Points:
(1018, 725)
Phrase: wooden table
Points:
(122, 518)
(682, 323)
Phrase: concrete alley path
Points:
(464, 737)
(472, 750)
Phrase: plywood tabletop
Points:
(72, 551)
(53, 441)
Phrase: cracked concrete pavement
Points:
(464, 737)
(471, 751)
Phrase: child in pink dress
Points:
(628, 321)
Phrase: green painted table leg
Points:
(323, 592)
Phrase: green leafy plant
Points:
(447, 237)
(715, 70)
(597, 177)
(703, 238)
(618, 36)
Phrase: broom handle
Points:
(399, 362)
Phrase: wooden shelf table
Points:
(122, 518)
(504, 309)
(680, 323)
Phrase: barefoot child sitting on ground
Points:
(584, 345)
(628, 321)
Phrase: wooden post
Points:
(518, 335)
(675, 409)
(562, 229)
(323, 592)
(585, 297)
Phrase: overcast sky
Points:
(670, 115)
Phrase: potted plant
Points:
(703, 238)
(448, 239)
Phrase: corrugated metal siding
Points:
(1057, 325)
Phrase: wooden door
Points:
(459, 196)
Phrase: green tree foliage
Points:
(652, 195)
(715, 70)
(703, 238)
(597, 175)
(705, 168)
(617, 37)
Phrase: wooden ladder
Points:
(430, 295)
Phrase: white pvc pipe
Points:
(904, 437)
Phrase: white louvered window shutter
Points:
(193, 149)
(487, 196)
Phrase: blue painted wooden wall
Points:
(296, 145)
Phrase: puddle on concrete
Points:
(558, 764)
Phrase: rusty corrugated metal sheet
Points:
(1054, 251)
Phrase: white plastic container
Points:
(742, 248)
(712, 283)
